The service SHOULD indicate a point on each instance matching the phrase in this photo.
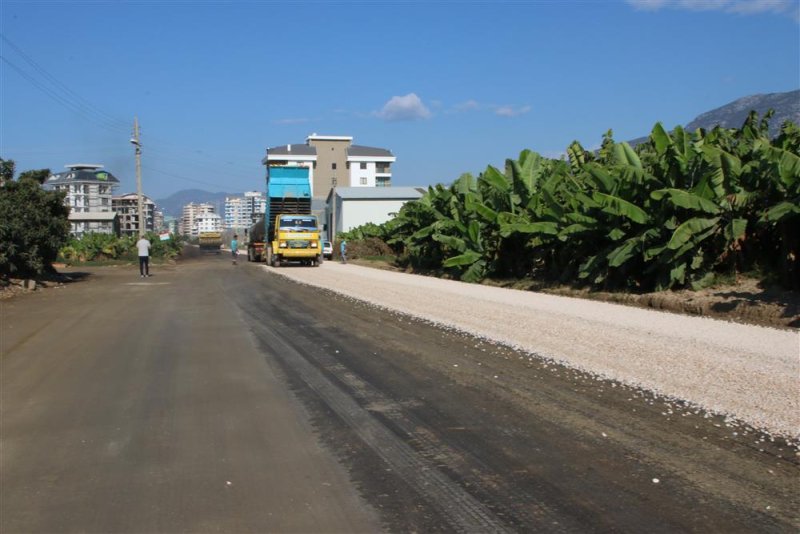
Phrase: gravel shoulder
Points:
(747, 372)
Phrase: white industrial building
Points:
(350, 207)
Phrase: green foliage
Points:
(675, 211)
(33, 225)
(100, 247)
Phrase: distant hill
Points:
(173, 205)
(733, 114)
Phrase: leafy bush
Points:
(33, 225)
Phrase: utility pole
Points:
(332, 226)
(138, 147)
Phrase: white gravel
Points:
(749, 373)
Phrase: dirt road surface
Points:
(214, 397)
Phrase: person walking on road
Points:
(235, 248)
(143, 246)
(343, 251)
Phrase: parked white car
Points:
(327, 250)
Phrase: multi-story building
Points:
(127, 210)
(158, 220)
(190, 212)
(89, 191)
(334, 161)
(241, 212)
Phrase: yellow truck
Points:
(294, 237)
(210, 241)
(292, 233)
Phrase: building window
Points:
(333, 166)
(363, 165)
(363, 180)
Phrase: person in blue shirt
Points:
(234, 248)
(343, 251)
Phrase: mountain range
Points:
(731, 115)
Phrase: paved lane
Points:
(133, 405)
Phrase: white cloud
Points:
(404, 108)
(742, 7)
(510, 111)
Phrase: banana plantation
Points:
(676, 211)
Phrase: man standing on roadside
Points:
(343, 251)
(235, 248)
(143, 245)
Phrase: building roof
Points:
(369, 152)
(292, 150)
(380, 193)
(80, 173)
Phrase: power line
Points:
(70, 100)
(71, 106)
(65, 92)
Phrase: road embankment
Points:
(749, 373)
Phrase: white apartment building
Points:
(89, 191)
(190, 212)
(242, 212)
(127, 209)
(334, 161)
(207, 222)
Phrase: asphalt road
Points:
(221, 398)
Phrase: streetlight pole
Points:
(138, 147)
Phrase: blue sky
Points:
(448, 86)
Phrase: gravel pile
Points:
(749, 373)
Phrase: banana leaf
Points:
(735, 229)
(540, 227)
(686, 199)
(624, 252)
(475, 272)
(617, 206)
(616, 234)
(661, 139)
(624, 155)
(467, 258)
(780, 211)
(473, 204)
(692, 228)
(602, 178)
(496, 179)
(453, 242)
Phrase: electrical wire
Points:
(72, 101)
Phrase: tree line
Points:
(678, 210)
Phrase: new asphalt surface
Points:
(220, 398)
